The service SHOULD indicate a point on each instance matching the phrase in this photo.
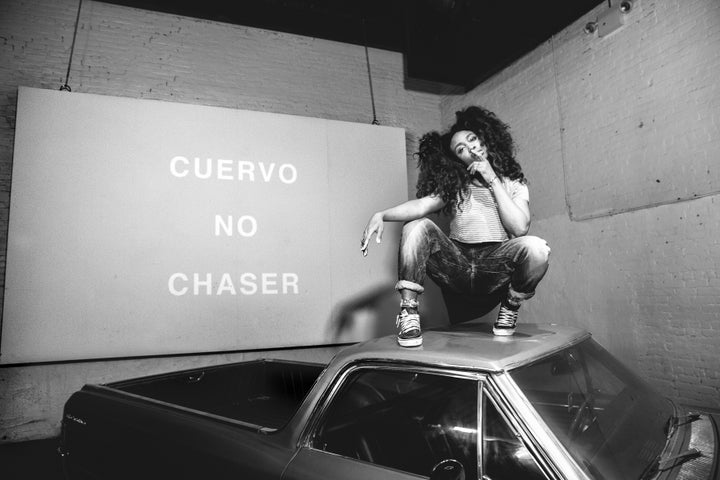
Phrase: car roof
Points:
(470, 346)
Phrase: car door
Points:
(392, 422)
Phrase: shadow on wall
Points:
(372, 314)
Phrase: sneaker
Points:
(409, 325)
(505, 323)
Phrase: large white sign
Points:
(143, 227)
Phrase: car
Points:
(546, 403)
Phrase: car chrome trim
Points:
(75, 419)
(200, 413)
(503, 406)
(544, 441)
(480, 429)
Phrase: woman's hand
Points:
(481, 167)
(405, 212)
(375, 226)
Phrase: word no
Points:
(246, 225)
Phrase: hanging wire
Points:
(367, 61)
(65, 87)
(561, 129)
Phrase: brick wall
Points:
(633, 118)
(133, 53)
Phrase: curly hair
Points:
(443, 174)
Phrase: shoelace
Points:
(406, 321)
(507, 317)
(409, 303)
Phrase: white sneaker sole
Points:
(410, 342)
(503, 332)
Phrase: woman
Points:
(470, 174)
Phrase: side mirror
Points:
(449, 469)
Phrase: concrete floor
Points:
(33, 460)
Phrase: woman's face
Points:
(465, 143)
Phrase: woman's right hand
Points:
(480, 166)
(374, 226)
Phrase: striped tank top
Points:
(476, 219)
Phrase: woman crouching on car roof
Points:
(471, 175)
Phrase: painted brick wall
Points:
(134, 53)
(643, 280)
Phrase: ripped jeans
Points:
(473, 278)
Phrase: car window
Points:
(409, 421)
(505, 456)
(610, 421)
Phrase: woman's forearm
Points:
(515, 216)
(412, 209)
(405, 212)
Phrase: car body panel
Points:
(311, 464)
(109, 420)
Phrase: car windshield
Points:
(609, 419)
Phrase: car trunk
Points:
(263, 392)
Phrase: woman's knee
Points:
(536, 249)
(418, 228)
(420, 223)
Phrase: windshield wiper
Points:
(679, 459)
(673, 422)
(661, 464)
